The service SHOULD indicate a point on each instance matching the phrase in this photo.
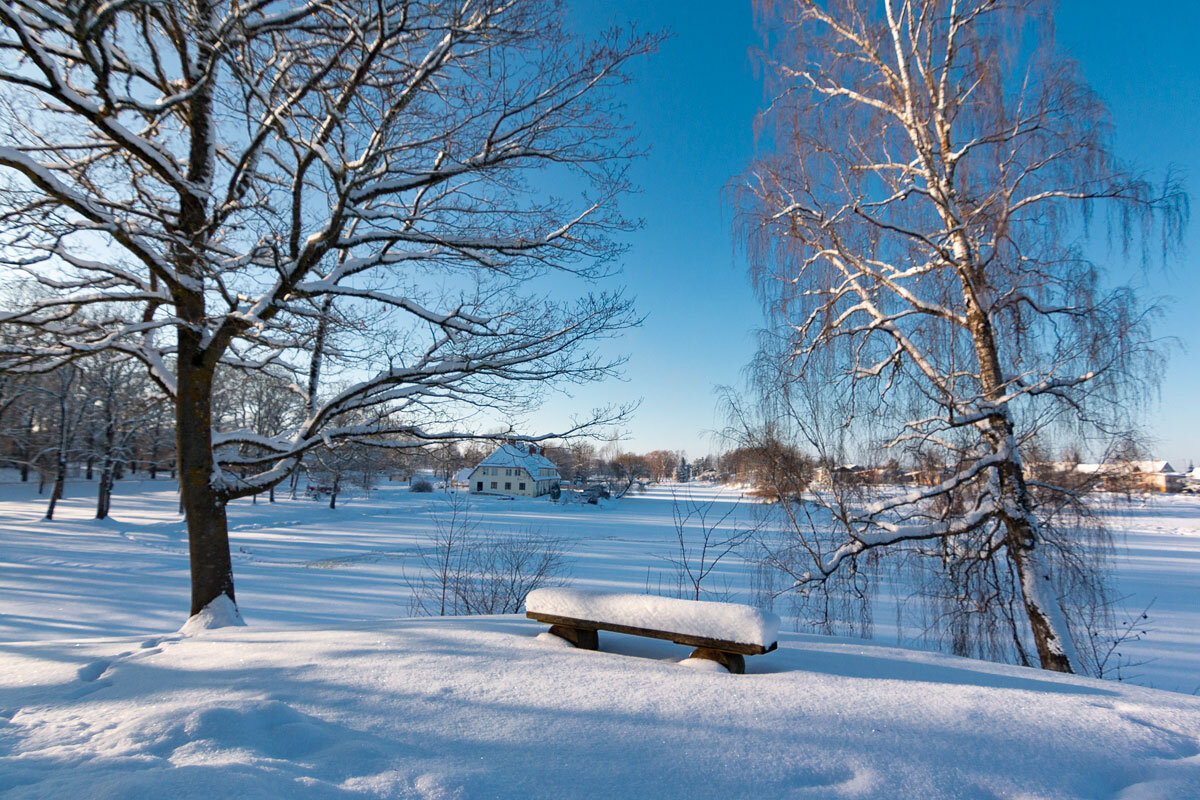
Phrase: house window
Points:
(522, 487)
(493, 484)
(508, 484)
(479, 486)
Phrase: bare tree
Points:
(465, 571)
(917, 237)
(628, 468)
(16, 421)
(61, 391)
(706, 535)
(210, 176)
(334, 465)
(119, 402)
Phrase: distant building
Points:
(841, 475)
(515, 468)
(1135, 476)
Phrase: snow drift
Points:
(484, 707)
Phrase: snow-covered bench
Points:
(721, 632)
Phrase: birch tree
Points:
(918, 235)
(206, 178)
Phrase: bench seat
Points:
(577, 616)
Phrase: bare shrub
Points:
(421, 486)
(704, 536)
(464, 571)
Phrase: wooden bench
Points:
(581, 630)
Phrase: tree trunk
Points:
(104, 491)
(60, 476)
(1050, 633)
(203, 506)
(1046, 619)
(203, 500)
(153, 465)
(25, 450)
(60, 459)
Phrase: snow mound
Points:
(220, 613)
(703, 665)
(555, 641)
(469, 707)
(728, 621)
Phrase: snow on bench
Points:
(721, 632)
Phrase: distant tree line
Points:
(102, 419)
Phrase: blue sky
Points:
(693, 105)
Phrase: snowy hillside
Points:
(329, 693)
(487, 707)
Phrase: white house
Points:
(516, 469)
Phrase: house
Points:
(1135, 476)
(841, 475)
(515, 468)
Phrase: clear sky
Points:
(693, 105)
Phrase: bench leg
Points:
(583, 638)
(734, 662)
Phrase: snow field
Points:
(328, 694)
(486, 707)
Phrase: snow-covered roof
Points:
(1126, 466)
(526, 456)
(462, 476)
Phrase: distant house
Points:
(515, 469)
(1135, 476)
(840, 475)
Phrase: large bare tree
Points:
(918, 235)
(205, 179)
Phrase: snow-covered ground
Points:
(329, 693)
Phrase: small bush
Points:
(488, 573)
(422, 486)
